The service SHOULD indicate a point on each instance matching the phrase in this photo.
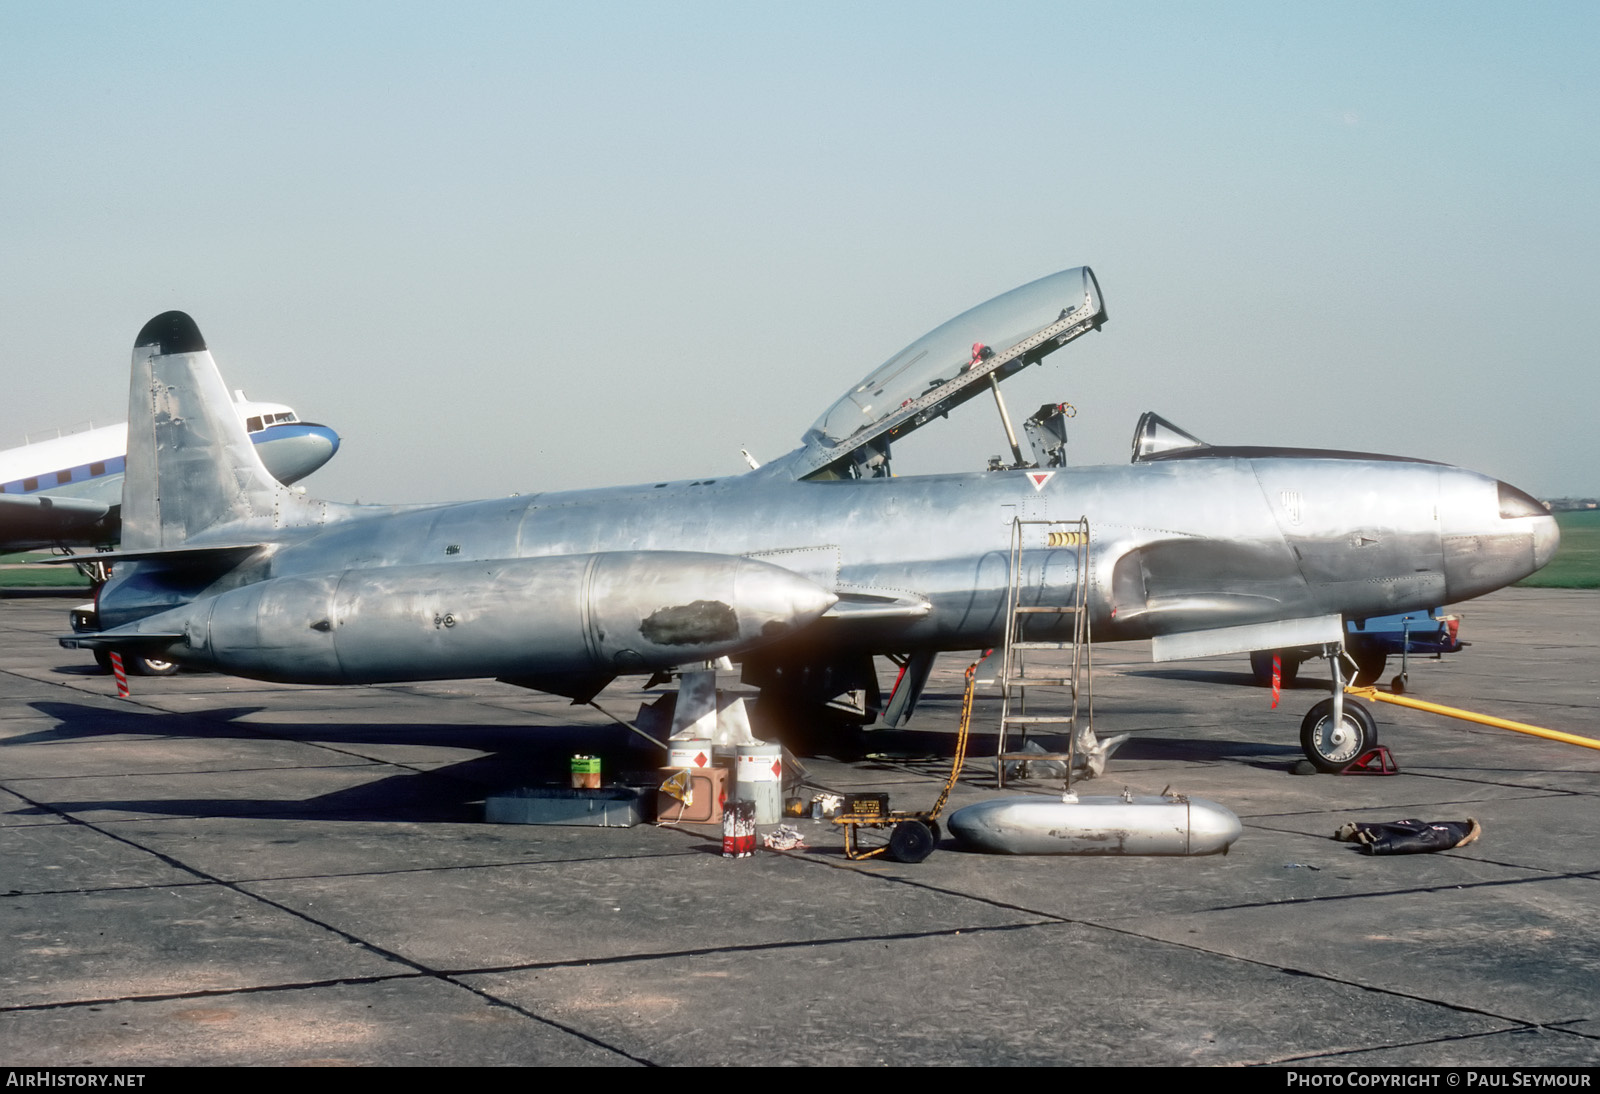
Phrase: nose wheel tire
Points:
(1331, 747)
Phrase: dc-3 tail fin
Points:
(191, 466)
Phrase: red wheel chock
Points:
(1374, 761)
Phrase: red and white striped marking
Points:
(120, 673)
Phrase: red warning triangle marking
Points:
(1039, 478)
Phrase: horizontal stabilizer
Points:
(1277, 635)
(231, 553)
(118, 639)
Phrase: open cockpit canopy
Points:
(947, 366)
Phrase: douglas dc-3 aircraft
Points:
(802, 569)
(67, 491)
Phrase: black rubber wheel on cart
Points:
(910, 841)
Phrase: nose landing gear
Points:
(1337, 731)
(1333, 743)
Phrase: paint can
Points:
(586, 772)
(693, 753)
(739, 830)
(758, 778)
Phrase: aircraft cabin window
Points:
(29, 484)
(63, 477)
(97, 469)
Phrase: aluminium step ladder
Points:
(1064, 683)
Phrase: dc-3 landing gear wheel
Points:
(910, 841)
(1333, 748)
(135, 665)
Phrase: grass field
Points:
(1577, 562)
(15, 572)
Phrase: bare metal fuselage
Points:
(1176, 545)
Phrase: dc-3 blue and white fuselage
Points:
(803, 568)
(66, 491)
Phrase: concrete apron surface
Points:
(217, 871)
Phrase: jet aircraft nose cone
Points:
(1546, 540)
(1493, 534)
(1521, 511)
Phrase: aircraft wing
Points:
(29, 521)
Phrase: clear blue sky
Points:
(513, 247)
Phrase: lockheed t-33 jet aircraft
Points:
(803, 569)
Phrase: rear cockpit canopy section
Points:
(1156, 439)
(1155, 436)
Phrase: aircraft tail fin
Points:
(191, 466)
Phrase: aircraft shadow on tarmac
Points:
(514, 755)
(431, 791)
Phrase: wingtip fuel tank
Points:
(610, 612)
(1129, 824)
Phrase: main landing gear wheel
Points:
(1369, 667)
(148, 666)
(1333, 748)
(910, 841)
(135, 665)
